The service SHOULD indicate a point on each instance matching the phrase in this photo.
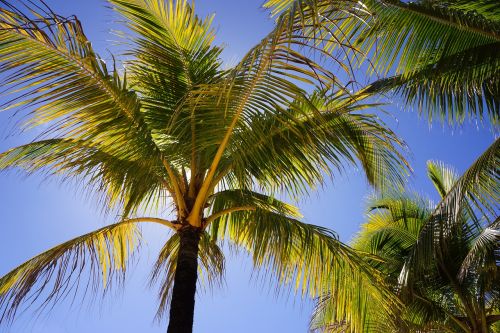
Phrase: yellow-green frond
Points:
(93, 261)
(308, 259)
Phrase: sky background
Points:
(36, 213)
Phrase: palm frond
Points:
(475, 193)
(293, 150)
(307, 258)
(442, 177)
(393, 224)
(55, 73)
(443, 53)
(457, 87)
(484, 253)
(125, 183)
(60, 271)
(172, 53)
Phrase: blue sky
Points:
(37, 213)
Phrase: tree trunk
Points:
(186, 275)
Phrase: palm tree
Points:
(442, 260)
(175, 131)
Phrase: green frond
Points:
(51, 67)
(54, 274)
(210, 269)
(440, 260)
(393, 225)
(476, 194)
(308, 259)
(484, 253)
(443, 53)
(126, 183)
(460, 86)
(233, 199)
(172, 53)
(317, 136)
(489, 9)
(442, 177)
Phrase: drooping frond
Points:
(54, 73)
(225, 202)
(444, 52)
(446, 56)
(484, 254)
(307, 258)
(128, 183)
(458, 85)
(90, 262)
(210, 270)
(294, 150)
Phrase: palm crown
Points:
(176, 130)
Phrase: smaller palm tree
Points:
(442, 260)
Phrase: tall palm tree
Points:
(442, 260)
(174, 130)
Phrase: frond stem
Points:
(163, 222)
(228, 211)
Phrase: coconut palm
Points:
(442, 260)
(176, 131)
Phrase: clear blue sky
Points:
(37, 214)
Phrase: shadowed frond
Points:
(453, 287)
(444, 52)
(392, 216)
(484, 253)
(476, 193)
(62, 270)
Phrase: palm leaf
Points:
(51, 66)
(475, 193)
(443, 53)
(306, 258)
(56, 273)
(126, 183)
(293, 150)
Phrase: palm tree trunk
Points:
(186, 275)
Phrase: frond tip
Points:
(94, 260)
